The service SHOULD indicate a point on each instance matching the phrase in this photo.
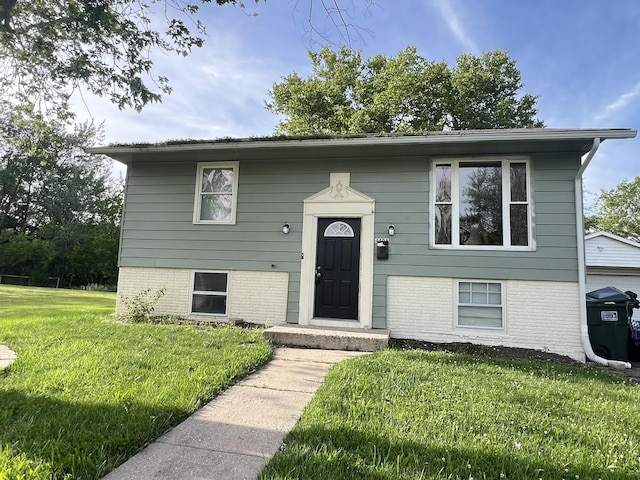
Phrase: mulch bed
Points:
(508, 353)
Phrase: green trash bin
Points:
(608, 322)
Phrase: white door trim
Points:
(337, 200)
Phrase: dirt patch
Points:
(508, 353)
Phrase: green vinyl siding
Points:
(158, 229)
(406, 207)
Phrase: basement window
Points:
(210, 292)
(480, 304)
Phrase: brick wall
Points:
(547, 315)
(539, 315)
(256, 297)
(418, 307)
(259, 297)
(176, 282)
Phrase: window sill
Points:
(214, 223)
(482, 248)
(478, 328)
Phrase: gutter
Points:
(582, 269)
(439, 137)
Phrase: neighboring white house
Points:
(612, 261)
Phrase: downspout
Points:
(120, 241)
(582, 269)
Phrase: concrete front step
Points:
(328, 338)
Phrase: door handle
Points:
(318, 274)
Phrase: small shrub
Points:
(140, 307)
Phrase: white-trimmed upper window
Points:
(481, 204)
(216, 193)
(480, 304)
(210, 291)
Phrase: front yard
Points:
(86, 392)
(435, 415)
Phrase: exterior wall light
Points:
(286, 228)
(392, 230)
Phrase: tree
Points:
(103, 45)
(346, 94)
(485, 94)
(55, 199)
(45, 175)
(49, 48)
(616, 210)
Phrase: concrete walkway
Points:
(7, 357)
(235, 435)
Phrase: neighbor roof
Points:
(613, 237)
(577, 140)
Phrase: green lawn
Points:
(435, 415)
(87, 392)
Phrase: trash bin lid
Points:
(608, 294)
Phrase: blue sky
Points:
(582, 57)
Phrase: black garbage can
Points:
(608, 322)
(633, 345)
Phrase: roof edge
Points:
(612, 236)
(454, 136)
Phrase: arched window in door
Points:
(339, 229)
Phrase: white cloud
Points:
(219, 92)
(619, 105)
(445, 7)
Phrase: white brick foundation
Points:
(539, 315)
(259, 297)
(176, 282)
(256, 297)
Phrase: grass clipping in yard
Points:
(86, 392)
(436, 415)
